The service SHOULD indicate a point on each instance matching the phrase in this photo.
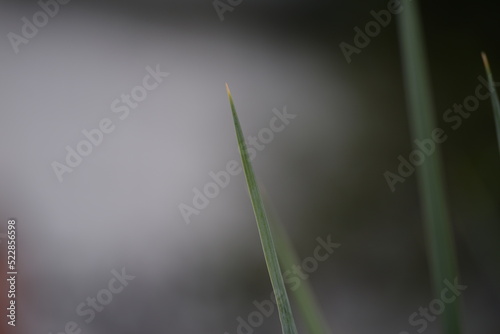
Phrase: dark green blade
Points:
(282, 302)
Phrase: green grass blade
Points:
(270, 255)
(440, 241)
(304, 295)
(494, 97)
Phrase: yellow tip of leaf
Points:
(227, 90)
(486, 63)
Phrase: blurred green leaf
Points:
(303, 294)
(494, 97)
(440, 240)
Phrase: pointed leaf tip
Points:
(267, 243)
(486, 63)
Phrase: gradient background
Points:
(324, 173)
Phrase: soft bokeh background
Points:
(324, 172)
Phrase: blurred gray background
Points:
(324, 172)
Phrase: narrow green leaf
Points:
(494, 97)
(440, 240)
(270, 255)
